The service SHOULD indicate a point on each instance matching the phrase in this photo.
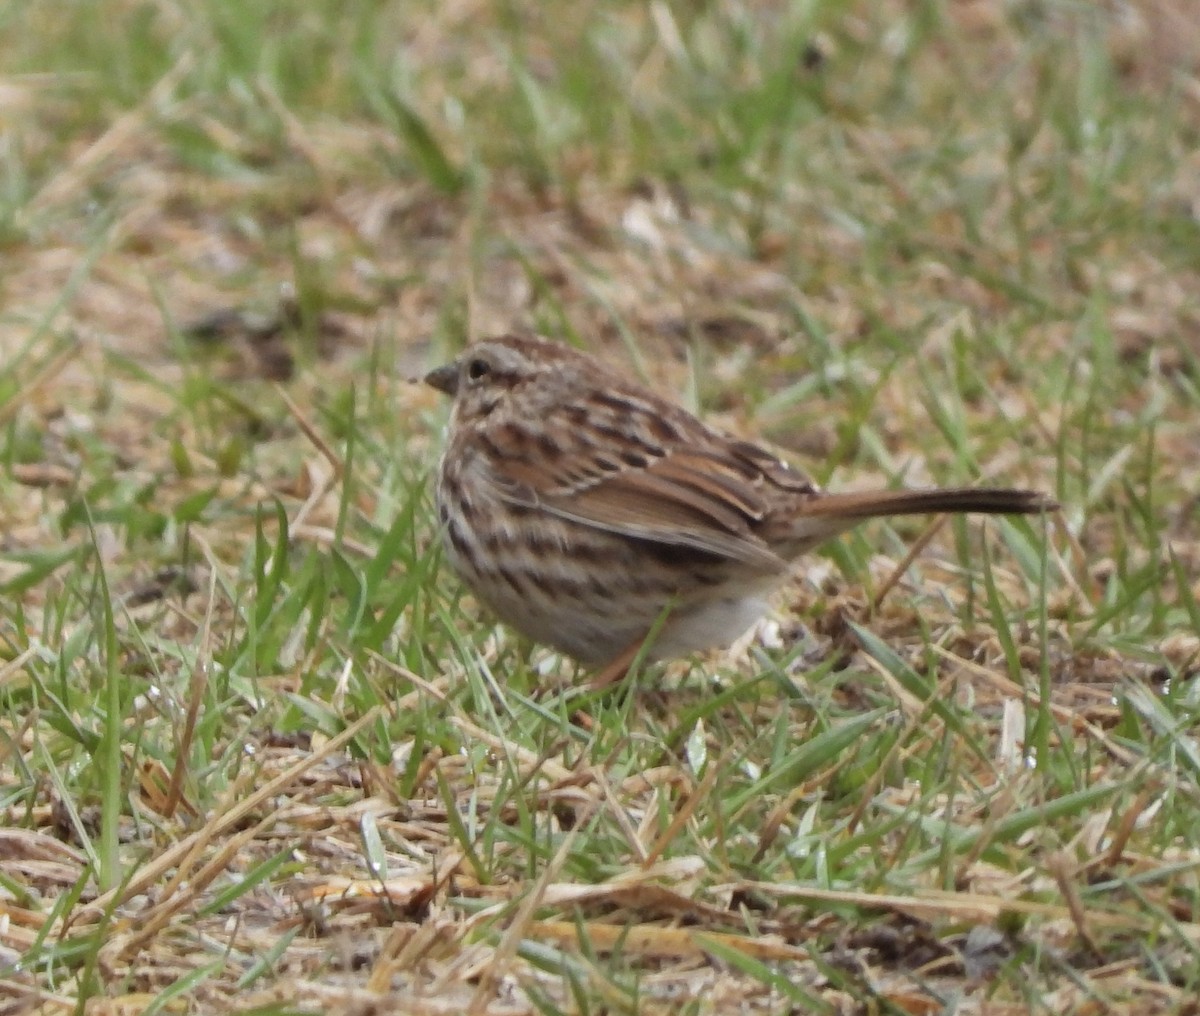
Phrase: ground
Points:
(259, 750)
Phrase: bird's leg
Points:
(619, 666)
(615, 670)
(609, 674)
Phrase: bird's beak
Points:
(444, 379)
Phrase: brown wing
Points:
(673, 482)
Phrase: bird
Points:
(591, 514)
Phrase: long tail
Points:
(981, 500)
(826, 515)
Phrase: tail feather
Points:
(978, 500)
(827, 515)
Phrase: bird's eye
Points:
(477, 369)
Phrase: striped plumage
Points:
(579, 505)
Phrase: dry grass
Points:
(258, 753)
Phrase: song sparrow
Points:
(581, 507)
